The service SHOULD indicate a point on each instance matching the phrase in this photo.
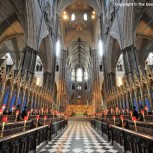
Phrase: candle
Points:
(37, 118)
(42, 110)
(45, 117)
(17, 113)
(114, 119)
(31, 111)
(142, 112)
(131, 114)
(13, 107)
(25, 120)
(146, 107)
(134, 120)
(28, 113)
(116, 110)
(1, 111)
(122, 118)
(3, 107)
(4, 120)
(47, 111)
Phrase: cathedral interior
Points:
(76, 76)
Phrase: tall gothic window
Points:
(58, 47)
(85, 16)
(72, 17)
(39, 71)
(73, 75)
(79, 87)
(79, 75)
(8, 58)
(100, 47)
(149, 60)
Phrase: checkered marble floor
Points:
(79, 137)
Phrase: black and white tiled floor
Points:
(79, 137)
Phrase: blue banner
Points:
(148, 104)
(19, 101)
(141, 104)
(135, 104)
(12, 102)
(6, 96)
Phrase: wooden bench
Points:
(32, 140)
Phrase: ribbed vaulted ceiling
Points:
(79, 34)
(79, 54)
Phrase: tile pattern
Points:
(79, 137)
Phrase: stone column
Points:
(111, 80)
(47, 80)
(61, 90)
(53, 66)
(130, 59)
(96, 92)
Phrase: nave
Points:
(79, 137)
(62, 60)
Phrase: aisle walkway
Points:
(79, 137)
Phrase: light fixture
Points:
(72, 17)
(38, 81)
(85, 16)
(65, 16)
(119, 81)
(93, 12)
(93, 15)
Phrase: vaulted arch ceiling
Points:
(94, 3)
(10, 12)
(79, 33)
(144, 33)
(79, 54)
(12, 39)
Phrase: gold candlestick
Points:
(24, 125)
(3, 125)
(4, 120)
(25, 121)
(135, 126)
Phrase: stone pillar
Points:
(61, 90)
(52, 78)
(47, 80)
(97, 103)
(111, 80)
(28, 60)
(130, 59)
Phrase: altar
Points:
(79, 110)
